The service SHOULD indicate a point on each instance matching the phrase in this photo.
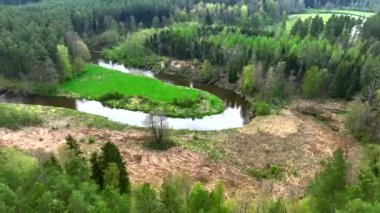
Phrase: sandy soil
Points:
(294, 141)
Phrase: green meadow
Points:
(325, 14)
(140, 93)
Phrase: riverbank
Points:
(140, 93)
(290, 141)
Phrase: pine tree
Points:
(96, 170)
(327, 188)
(317, 26)
(111, 154)
(198, 199)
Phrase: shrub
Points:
(13, 118)
(111, 96)
(185, 102)
(91, 139)
(272, 171)
(260, 108)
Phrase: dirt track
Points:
(291, 140)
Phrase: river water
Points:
(235, 115)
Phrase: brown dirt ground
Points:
(294, 141)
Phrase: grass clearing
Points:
(140, 93)
(31, 115)
(325, 14)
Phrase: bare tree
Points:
(369, 93)
(157, 123)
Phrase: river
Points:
(235, 115)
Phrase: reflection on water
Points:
(235, 115)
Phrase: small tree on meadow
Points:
(157, 123)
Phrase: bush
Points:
(91, 139)
(111, 96)
(185, 102)
(15, 118)
(272, 171)
(260, 108)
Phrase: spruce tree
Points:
(111, 154)
(96, 170)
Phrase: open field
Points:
(293, 142)
(134, 92)
(325, 14)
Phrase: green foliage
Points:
(199, 198)
(272, 171)
(260, 108)
(246, 80)
(111, 154)
(363, 120)
(313, 82)
(26, 185)
(73, 145)
(317, 26)
(97, 173)
(207, 73)
(146, 200)
(64, 61)
(15, 168)
(371, 27)
(111, 96)
(186, 102)
(91, 139)
(14, 118)
(328, 187)
(173, 193)
(111, 176)
(46, 187)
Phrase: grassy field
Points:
(140, 93)
(325, 14)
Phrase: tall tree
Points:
(64, 61)
(327, 188)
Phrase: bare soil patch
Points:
(292, 140)
(295, 142)
(143, 165)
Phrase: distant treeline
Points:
(18, 1)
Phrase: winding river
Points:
(235, 115)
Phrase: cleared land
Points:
(325, 14)
(140, 93)
(294, 142)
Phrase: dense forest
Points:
(30, 34)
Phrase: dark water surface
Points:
(235, 115)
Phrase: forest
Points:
(289, 89)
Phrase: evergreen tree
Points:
(328, 187)
(174, 191)
(246, 80)
(313, 81)
(96, 170)
(111, 154)
(111, 176)
(317, 26)
(198, 199)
